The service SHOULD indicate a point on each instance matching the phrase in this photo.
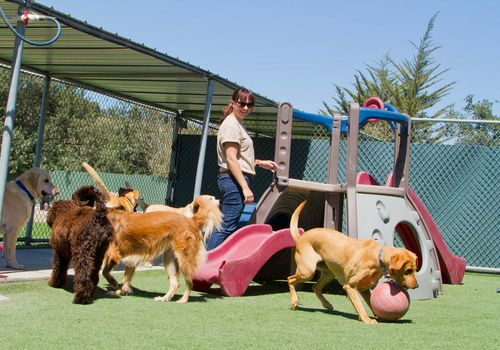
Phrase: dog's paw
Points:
(162, 299)
(121, 291)
(112, 293)
(369, 321)
(56, 284)
(125, 291)
(182, 300)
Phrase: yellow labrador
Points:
(356, 264)
(18, 201)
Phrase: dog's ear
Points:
(123, 191)
(397, 262)
(196, 205)
(128, 185)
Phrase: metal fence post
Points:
(10, 111)
(203, 142)
(38, 150)
(172, 171)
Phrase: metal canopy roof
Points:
(90, 56)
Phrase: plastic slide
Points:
(452, 266)
(234, 263)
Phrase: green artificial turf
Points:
(37, 316)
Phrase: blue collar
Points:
(382, 266)
(25, 190)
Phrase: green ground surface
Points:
(36, 316)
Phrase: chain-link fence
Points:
(123, 141)
(457, 179)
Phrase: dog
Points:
(20, 194)
(187, 210)
(127, 198)
(356, 264)
(140, 237)
(80, 235)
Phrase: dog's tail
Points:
(97, 180)
(294, 221)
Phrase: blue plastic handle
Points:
(391, 115)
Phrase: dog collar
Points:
(25, 190)
(131, 203)
(382, 266)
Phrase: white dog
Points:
(19, 197)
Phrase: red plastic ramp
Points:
(452, 266)
(234, 263)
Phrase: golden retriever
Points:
(356, 264)
(140, 237)
(20, 194)
(126, 199)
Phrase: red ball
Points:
(389, 301)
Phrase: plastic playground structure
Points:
(373, 211)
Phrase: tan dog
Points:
(356, 264)
(141, 237)
(187, 210)
(126, 199)
(18, 201)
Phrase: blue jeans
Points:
(232, 206)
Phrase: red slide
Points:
(234, 263)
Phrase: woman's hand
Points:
(248, 194)
(267, 164)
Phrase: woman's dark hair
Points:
(241, 94)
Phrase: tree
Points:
(113, 135)
(477, 133)
(412, 86)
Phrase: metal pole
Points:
(38, 150)
(10, 111)
(204, 136)
(172, 172)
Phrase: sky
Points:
(297, 51)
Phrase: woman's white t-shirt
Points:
(231, 130)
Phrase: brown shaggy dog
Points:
(140, 237)
(80, 235)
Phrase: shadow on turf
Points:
(101, 293)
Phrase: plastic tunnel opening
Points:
(404, 236)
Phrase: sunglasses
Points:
(243, 104)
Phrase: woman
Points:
(237, 163)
